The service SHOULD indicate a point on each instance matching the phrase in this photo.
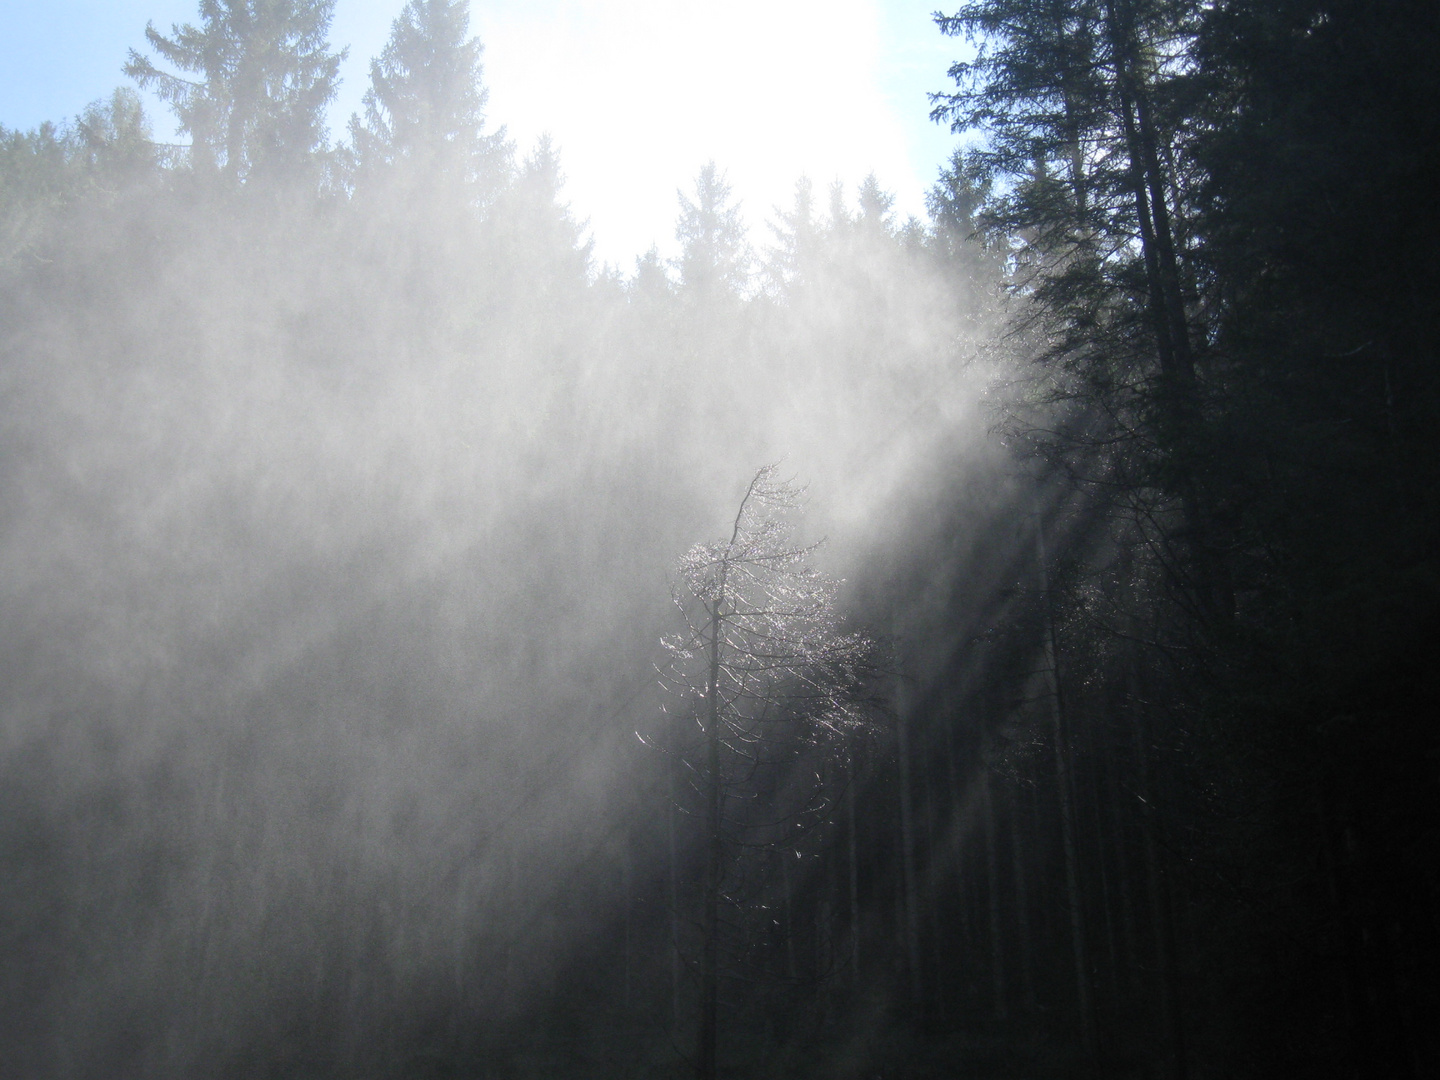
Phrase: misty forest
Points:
(990, 646)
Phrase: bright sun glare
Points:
(639, 95)
(636, 94)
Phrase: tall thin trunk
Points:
(1102, 861)
(791, 971)
(1124, 878)
(675, 966)
(1179, 396)
(854, 869)
(961, 934)
(1152, 216)
(992, 890)
(1083, 996)
(1162, 917)
(1177, 380)
(931, 882)
(1169, 263)
(705, 1058)
(907, 851)
(1022, 900)
(627, 888)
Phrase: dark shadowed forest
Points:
(994, 646)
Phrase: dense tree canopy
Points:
(1217, 216)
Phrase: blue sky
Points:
(637, 94)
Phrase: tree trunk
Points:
(1101, 862)
(627, 889)
(931, 908)
(959, 805)
(791, 970)
(992, 891)
(1179, 395)
(1083, 997)
(675, 972)
(907, 849)
(854, 869)
(1022, 900)
(1162, 918)
(1124, 877)
(705, 1057)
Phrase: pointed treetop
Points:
(875, 203)
(265, 74)
(714, 257)
(798, 238)
(426, 101)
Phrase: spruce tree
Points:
(714, 257)
(425, 109)
(798, 239)
(1083, 157)
(265, 75)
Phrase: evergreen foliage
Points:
(714, 257)
(425, 108)
(264, 74)
(1202, 210)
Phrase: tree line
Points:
(343, 494)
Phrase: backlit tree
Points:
(773, 678)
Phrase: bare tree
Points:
(773, 681)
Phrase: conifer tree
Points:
(1079, 159)
(875, 204)
(34, 173)
(264, 77)
(1223, 257)
(548, 246)
(798, 240)
(714, 257)
(425, 108)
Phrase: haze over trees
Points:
(263, 74)
(343, 494)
